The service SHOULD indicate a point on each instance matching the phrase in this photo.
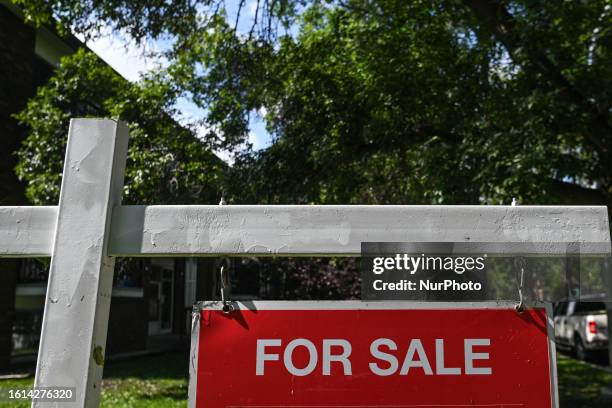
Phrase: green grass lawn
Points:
(161, 381)
(580, 384)
(154, 381)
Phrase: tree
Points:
(405, 102)
(391, 101)
(387, 101)
(166, 164)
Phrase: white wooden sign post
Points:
(89, 228)
(81, 272)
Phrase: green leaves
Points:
(386, 101)
(413, 102)
(140, 19)
(166, 162)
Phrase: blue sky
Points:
(130, 61)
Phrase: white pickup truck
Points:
(581, 327)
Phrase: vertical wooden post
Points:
(73, 339)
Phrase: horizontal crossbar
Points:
(297, 230)
(27, 231)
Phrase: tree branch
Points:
(496, 19)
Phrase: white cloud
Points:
(225, 156)
(258, 134)
(189, 112)
(256, 140)
(253, 7)
(126, 57)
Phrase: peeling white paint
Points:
(310, 230)
(339, 230)
(27, 231)
(81, 272)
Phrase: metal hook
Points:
(226, 285)
(226, 288)
(520, 307)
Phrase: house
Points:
(151, 299)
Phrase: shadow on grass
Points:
(581, 385)
(177, 393)
(149, 379)
(172, 365)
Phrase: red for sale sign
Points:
(377, 354)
